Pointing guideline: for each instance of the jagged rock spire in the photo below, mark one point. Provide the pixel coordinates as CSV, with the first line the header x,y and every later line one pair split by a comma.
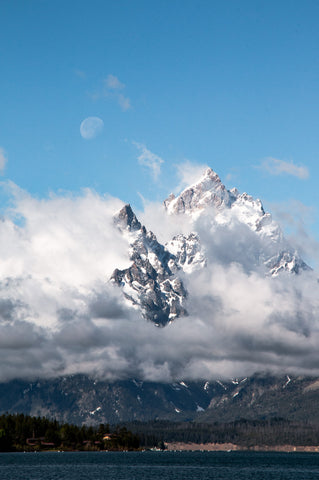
x,y
151,282
127,219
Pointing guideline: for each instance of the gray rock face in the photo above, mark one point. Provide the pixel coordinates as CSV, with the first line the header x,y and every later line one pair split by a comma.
x,y
151,282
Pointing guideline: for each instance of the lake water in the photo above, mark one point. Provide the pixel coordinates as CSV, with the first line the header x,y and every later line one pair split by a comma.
x,y
159,466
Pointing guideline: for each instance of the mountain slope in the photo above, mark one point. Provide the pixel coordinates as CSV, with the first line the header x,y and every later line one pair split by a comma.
x,y
80,399
263,396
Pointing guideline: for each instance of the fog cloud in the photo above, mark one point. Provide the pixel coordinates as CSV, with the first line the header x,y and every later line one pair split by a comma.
x,y
149,159
60,315
274,166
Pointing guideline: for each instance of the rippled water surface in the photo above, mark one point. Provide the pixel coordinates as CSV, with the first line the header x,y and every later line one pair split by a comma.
x,y
159,466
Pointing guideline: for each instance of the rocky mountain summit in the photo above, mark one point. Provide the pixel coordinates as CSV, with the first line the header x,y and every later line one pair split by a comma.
x,y
152,281
228,209
155,281
207,192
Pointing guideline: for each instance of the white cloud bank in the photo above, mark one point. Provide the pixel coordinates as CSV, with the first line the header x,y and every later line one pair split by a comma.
x,y
274,166
59,315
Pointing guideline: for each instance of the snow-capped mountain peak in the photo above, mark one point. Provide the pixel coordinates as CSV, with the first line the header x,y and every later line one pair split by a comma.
x,y
126,219
208,191
228,209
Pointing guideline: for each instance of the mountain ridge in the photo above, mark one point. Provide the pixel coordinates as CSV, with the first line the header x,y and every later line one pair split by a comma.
x,y
81,399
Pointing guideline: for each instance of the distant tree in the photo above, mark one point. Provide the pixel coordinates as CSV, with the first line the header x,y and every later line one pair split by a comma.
x,y
5,441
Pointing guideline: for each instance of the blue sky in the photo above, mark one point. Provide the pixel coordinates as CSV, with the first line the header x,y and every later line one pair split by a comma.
x,y
127,98
230,84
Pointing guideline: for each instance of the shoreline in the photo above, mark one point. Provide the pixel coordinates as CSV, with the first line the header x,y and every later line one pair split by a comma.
x,y
193,447
227,447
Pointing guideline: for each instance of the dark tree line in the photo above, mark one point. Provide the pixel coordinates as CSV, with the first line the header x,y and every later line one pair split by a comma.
x,y
243,432
23,432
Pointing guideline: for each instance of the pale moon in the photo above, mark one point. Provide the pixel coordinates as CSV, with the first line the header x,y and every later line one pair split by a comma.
x,y
91,127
